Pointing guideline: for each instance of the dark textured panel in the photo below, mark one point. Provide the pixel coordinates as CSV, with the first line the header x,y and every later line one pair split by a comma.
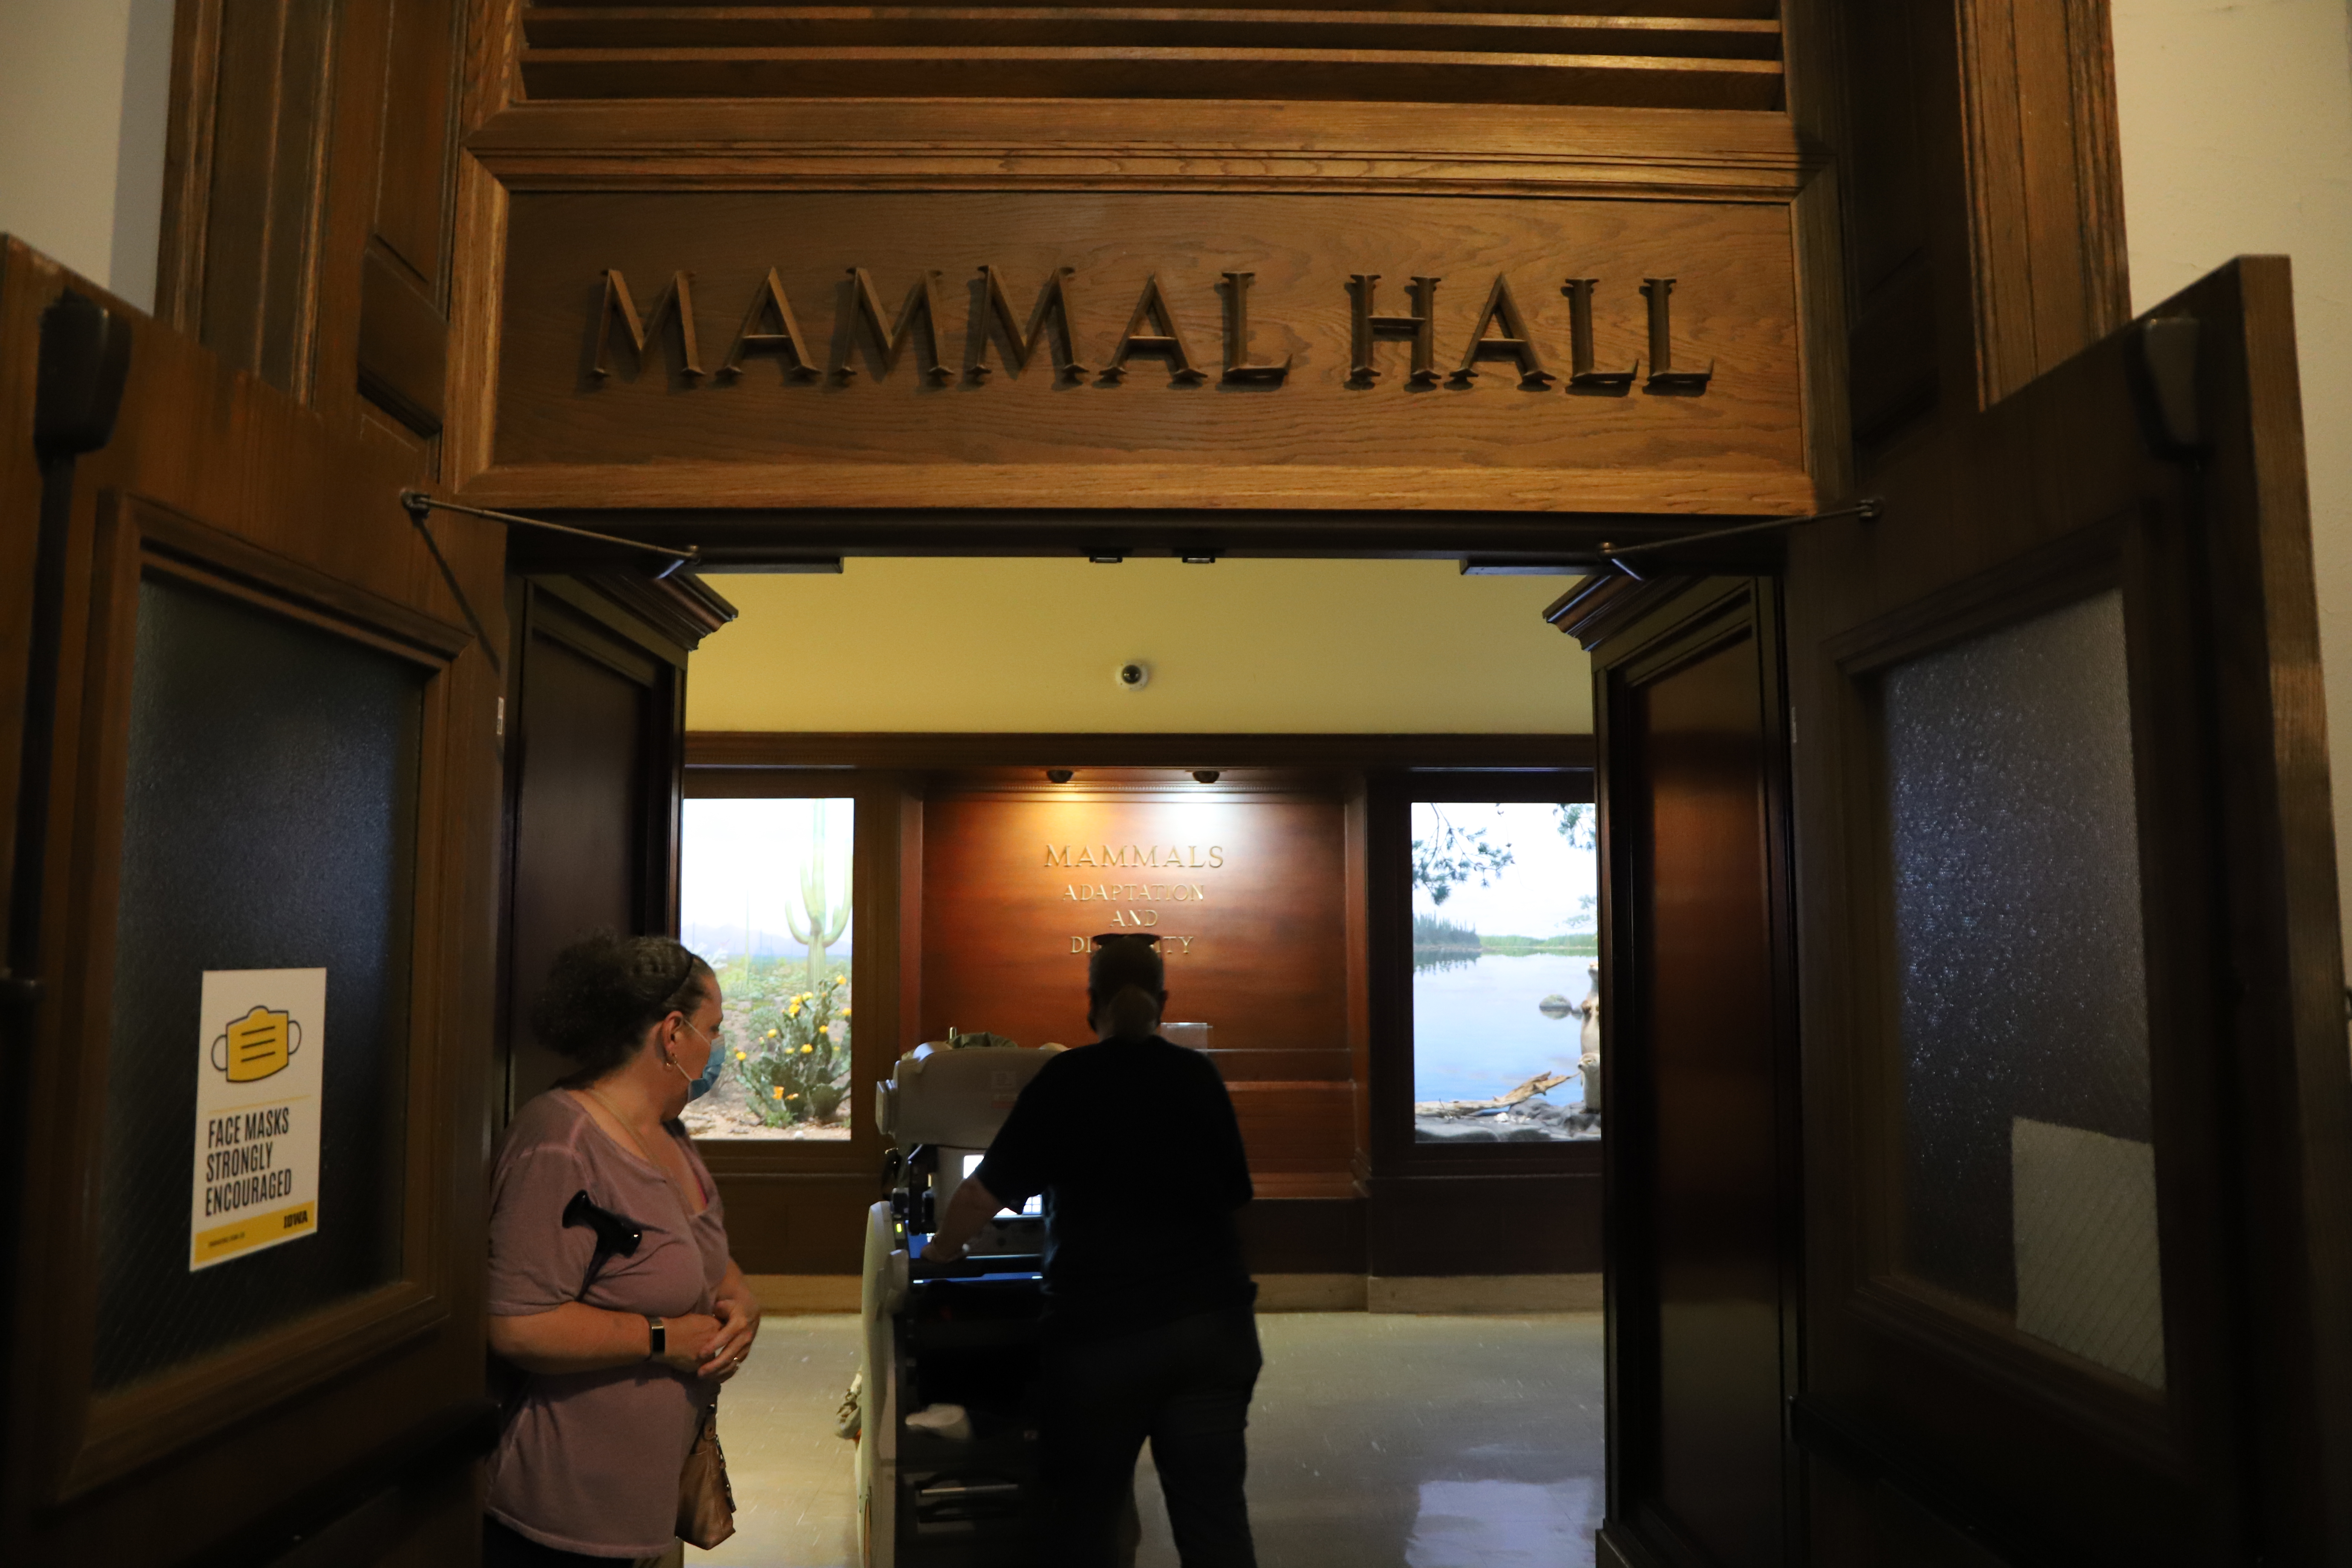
x,y
269,824
2014,834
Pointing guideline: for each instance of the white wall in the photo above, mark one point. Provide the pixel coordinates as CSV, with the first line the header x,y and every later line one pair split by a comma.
x,y
2237,139
84,91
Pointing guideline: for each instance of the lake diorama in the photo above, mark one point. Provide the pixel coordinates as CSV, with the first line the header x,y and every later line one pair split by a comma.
x,y
1505,1006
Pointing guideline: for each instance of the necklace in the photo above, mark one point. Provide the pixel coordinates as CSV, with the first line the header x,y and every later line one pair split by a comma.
x,y
631,1133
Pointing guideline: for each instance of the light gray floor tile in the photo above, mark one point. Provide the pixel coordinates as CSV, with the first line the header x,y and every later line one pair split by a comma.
x,y
1376,1441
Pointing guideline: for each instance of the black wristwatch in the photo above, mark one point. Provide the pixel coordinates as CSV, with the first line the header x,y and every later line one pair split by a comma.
x,y
660,1331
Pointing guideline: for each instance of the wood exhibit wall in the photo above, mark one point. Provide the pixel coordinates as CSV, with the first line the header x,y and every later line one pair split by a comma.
x,y
1415,282
684,348
1245,882
1265,896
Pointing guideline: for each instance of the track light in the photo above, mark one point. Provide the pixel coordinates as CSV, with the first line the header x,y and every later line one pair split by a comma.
x,y
1058,775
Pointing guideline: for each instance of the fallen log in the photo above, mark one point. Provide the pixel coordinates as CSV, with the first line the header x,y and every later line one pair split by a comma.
x,y
1539,1084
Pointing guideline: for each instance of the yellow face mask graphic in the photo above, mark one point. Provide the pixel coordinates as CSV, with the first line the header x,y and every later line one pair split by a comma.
x,y
256,1045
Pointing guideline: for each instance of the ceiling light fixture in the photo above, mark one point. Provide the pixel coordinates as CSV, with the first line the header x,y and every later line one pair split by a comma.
x,y
1058,775
1205,775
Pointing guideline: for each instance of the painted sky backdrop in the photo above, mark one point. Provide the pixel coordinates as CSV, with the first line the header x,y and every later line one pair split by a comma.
x,y
739,872
1542,893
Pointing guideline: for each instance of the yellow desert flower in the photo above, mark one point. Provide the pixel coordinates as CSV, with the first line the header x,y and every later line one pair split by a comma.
x,y
807,1049
743,1055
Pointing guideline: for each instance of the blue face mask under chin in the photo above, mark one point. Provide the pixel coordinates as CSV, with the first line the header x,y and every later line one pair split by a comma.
x,y
702,1085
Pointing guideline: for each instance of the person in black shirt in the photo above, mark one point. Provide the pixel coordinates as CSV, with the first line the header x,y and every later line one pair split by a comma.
x,y
1150,1330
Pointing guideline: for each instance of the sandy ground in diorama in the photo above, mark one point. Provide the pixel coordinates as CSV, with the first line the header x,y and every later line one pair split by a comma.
x,y
726,1112
1375,1440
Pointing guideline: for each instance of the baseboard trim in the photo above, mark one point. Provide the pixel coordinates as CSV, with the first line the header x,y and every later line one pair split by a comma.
x,y
1433,1295
1310,1293
1473,1294
800,1293
1613,1547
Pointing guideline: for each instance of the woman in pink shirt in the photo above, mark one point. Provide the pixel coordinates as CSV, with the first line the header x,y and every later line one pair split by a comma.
x,y
623,1366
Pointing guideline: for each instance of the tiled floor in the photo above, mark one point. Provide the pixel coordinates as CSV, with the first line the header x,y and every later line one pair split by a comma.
x,y
1375,1440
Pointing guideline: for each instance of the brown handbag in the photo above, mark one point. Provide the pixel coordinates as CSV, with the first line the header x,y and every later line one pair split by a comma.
x,y
706,1503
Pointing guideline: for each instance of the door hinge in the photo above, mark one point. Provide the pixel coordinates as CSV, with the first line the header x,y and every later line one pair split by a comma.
x,y
503,719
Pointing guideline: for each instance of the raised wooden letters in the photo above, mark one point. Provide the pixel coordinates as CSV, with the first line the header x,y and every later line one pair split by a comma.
x,y
1420,327
1515,344
1237,368
1500,331
1151,309
768,301
617,303
1664,376
1053,308
922,307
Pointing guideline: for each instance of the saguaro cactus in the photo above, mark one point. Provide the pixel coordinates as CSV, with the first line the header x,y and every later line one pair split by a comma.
x,y
821,926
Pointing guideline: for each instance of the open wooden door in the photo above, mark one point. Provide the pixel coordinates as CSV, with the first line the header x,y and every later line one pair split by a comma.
x,y
1981,1115
2077,1123
248,824
1701,1157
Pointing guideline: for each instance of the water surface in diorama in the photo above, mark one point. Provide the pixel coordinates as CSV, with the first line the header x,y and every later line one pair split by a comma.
x,y
1506,1009
765,896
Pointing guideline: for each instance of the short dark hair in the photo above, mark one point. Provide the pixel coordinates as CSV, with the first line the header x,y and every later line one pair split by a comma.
x,y
604,991
1119,961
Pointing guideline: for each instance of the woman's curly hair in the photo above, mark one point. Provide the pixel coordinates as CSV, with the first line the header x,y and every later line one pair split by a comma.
x,y
604,991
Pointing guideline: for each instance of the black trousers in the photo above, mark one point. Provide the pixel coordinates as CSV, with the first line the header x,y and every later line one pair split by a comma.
x,y
505,1547
1185,1386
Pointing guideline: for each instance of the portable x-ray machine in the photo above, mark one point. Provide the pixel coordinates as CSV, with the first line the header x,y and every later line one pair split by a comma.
x,y
947,1457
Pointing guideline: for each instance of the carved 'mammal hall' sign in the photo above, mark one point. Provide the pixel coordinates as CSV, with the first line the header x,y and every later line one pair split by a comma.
x,y
1159,349
1154,330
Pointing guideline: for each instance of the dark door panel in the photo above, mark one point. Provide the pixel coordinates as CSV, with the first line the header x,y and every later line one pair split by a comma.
x,y
2077,1103
264,743
1701,1146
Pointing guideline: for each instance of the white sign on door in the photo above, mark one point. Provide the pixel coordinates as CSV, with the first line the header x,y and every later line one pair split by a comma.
x,y
259,1085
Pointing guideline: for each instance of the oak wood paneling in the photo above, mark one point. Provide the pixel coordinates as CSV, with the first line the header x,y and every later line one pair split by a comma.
x,y
712,753
404,348
1518,53
1303,1128
237,472
1643,154
664,428
1526,1222
798,1222
1303,1235
1264,964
